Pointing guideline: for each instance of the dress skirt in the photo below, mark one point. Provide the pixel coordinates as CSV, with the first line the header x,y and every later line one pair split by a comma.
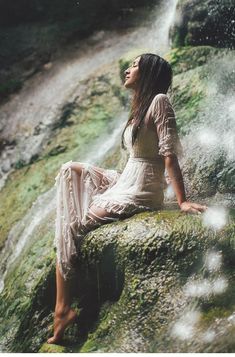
x,y
138,188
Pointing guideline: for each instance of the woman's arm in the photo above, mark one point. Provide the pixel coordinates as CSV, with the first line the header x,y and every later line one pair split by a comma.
x,y
169,147
174,172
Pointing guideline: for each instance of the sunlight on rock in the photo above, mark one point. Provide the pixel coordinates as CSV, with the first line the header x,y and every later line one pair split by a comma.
x,y
213,261
207,137
215,217
184,328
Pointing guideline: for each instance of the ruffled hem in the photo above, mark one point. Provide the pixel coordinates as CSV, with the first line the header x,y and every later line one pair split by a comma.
x,y
73,221
115,207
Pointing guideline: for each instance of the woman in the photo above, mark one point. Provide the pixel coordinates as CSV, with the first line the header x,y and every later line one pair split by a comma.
x,y
88,196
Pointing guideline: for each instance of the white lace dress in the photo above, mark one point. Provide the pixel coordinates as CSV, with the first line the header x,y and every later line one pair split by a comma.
x,y
138,188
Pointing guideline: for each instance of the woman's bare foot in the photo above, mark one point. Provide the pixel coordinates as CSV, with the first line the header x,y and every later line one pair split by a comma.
x,y
62,320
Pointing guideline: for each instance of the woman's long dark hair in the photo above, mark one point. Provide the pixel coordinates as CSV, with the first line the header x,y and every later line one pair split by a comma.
x,y
155,76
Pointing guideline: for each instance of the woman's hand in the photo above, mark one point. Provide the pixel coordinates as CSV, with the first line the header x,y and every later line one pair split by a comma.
x,y
190,207
176,178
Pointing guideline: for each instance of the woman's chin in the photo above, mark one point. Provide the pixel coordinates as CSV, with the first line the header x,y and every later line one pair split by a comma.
x,y
128,85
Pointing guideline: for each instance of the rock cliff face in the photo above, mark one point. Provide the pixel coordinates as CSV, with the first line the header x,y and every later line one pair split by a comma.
x,y
204,23
203,100
155,282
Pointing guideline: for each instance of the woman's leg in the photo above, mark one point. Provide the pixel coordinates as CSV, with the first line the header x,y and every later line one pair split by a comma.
x,y
64,315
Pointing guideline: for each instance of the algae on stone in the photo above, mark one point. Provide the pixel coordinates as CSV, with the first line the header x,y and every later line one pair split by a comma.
x,y
90,117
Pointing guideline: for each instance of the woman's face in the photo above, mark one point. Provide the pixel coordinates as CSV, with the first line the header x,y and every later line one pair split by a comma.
x,y
132,75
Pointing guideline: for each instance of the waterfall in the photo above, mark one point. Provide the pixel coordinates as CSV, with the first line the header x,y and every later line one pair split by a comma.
x,y
40,102
23,231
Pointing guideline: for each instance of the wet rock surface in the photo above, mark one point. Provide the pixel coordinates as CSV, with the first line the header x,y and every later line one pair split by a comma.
x,y
204,23
142,284
204,103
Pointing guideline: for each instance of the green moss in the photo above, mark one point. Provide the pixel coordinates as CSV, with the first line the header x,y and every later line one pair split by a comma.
x,y
48,348
185,58
89,119
89,346
130,283
29,293
189,93
214,313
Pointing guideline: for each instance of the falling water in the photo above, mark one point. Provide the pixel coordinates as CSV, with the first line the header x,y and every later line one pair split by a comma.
x,y
23,231
47,92
39,103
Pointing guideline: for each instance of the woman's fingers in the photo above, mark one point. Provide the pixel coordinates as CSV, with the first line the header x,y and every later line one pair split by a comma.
x,y
190,207
199,207
194,210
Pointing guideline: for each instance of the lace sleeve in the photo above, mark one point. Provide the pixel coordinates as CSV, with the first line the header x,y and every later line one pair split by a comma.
x,y
164,120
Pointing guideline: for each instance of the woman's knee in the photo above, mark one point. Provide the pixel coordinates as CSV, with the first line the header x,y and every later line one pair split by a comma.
x,y
101,214
75,166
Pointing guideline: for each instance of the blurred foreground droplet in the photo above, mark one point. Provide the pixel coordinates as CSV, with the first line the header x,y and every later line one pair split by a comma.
x,y
207,137
213,260
205,287
215,217
184,328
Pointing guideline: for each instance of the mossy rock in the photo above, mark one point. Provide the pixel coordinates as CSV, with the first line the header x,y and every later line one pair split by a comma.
x,y
132,276
185,58
204,23
202,101
50,348
189,92
82,123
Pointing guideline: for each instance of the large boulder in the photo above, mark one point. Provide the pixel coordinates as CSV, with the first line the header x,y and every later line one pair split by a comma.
x,y
155,282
